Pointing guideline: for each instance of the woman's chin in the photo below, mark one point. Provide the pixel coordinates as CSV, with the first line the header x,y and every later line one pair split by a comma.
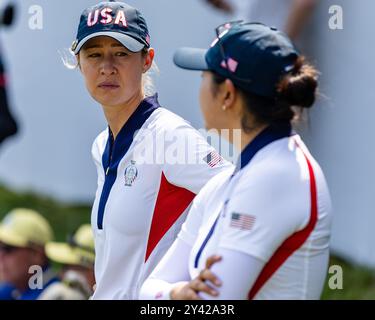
x,y
107,101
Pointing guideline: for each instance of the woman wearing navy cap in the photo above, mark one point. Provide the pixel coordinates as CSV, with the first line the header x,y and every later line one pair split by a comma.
x,y
261,232
150,162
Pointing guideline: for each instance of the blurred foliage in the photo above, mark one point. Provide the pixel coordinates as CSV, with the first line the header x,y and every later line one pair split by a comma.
x,y
358,282
64,218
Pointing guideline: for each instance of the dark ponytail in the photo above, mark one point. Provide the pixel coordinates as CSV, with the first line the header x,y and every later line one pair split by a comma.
x,y
298,88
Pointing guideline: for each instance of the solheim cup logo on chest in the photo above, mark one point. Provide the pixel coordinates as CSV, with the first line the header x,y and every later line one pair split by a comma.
x,y
131,173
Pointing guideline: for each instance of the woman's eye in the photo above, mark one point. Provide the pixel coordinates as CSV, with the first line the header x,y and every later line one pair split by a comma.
x,y
94,55
121,54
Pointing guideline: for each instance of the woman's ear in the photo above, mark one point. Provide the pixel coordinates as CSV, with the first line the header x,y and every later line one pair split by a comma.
x,y
78,61
230,92
149,58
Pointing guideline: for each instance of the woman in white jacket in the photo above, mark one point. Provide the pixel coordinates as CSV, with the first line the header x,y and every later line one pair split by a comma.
x,y
261,232
150,162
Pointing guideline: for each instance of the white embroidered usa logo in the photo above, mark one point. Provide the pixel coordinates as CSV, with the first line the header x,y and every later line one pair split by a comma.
x,y
106,17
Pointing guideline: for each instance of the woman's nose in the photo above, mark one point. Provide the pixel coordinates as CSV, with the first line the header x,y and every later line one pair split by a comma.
x,y
108,67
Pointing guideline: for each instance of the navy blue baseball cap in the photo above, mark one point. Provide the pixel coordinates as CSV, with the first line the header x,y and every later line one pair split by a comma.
x,y
254,56
114,19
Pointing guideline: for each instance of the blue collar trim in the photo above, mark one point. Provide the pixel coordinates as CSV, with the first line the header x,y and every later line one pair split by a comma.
x,y
267,136
115,150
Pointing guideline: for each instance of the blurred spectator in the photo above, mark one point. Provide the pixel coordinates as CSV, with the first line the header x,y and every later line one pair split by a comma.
x,y
8,125
23,235
288,15
77,257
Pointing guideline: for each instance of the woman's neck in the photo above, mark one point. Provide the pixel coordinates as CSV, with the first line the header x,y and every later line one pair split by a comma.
x,y
117,116
247,137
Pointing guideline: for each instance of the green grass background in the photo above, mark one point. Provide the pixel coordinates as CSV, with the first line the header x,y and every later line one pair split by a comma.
x,y
358,282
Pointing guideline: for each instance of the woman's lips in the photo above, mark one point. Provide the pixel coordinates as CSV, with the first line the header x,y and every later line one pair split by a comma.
x,y
108,85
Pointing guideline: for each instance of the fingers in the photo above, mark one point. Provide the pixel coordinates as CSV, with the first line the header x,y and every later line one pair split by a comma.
x,y
183,291
192,295
199,286
208,275
212,260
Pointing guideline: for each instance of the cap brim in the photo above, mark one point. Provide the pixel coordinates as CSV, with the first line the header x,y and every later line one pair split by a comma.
x,y
127,41
61,253
191,59
65,254
11,238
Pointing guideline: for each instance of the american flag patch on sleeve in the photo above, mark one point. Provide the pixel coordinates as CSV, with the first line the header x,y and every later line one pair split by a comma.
x,y
213,158
242,221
